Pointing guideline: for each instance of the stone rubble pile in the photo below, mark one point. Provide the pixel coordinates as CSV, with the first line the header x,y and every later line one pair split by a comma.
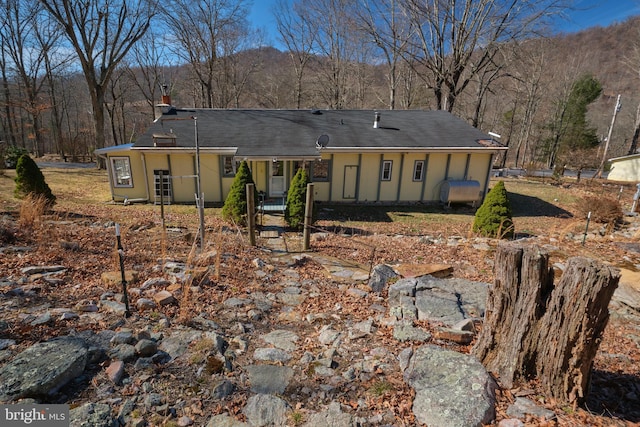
x,y
292,368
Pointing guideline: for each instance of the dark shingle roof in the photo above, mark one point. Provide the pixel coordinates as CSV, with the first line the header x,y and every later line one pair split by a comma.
x,y
295,132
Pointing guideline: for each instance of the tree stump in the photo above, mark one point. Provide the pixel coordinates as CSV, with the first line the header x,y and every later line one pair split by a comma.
x,y
533,329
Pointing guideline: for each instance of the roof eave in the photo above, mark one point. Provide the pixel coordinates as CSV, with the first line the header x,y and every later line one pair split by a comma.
x,y
411,149
216,150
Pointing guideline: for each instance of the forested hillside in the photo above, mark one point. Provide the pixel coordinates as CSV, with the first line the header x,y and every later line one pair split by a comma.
x,y
501,73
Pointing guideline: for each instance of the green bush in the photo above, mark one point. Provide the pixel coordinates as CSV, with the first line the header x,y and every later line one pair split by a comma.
x,y
494,217
296,199
30,181
235,206
11,156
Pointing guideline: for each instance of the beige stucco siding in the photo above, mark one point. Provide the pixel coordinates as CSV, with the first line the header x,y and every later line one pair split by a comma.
x,y
436,170
389,189
153,162
410,189
369,177
344,164
138,191
627,170
457,165
210,177
479,167
260,173
354,177
183,183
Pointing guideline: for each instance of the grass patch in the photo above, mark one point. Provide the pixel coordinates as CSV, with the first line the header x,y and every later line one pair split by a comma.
x,y
380,388
296,418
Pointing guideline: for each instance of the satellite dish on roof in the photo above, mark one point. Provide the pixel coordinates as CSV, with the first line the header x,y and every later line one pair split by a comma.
x,y
322,141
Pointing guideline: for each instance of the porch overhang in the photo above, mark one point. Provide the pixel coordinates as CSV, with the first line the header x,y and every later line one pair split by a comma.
x,y
275,157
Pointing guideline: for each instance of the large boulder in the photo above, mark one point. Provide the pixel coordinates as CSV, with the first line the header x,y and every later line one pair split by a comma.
x,y
452,389
43,368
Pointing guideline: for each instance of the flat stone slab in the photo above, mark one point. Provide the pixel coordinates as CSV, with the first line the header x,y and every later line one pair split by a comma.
x,y
452,389
266,410
178,343
43,368
271,355
269,379
224,420
282,339
417,270
42,269
333,416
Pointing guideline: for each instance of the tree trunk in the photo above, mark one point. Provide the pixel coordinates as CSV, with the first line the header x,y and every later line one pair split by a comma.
x,y
534,329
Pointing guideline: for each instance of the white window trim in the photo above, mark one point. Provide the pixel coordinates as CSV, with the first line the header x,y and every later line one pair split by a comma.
x,y
315,178
382,172
234,166
415,167
114,172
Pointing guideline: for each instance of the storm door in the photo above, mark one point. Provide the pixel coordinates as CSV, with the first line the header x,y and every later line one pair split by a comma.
x,y
277,182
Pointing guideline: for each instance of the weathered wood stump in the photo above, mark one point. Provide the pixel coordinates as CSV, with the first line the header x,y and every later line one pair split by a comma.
x,y
533,329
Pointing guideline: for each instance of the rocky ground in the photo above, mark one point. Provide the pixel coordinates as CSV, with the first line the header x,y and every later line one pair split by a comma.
x,y
239,335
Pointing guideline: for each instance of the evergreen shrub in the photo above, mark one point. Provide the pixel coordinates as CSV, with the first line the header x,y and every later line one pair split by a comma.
x,y
235,205
494,218
30,181
296,199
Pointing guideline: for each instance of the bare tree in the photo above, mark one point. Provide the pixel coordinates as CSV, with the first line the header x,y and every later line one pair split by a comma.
x,y
55,62
102,32
28,40
240,60
336,36
389,30
457,39
199,29
528,84
632,61
299,35
150,68
7,116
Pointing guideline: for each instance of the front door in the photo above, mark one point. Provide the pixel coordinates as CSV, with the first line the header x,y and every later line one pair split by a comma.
x,y
277,183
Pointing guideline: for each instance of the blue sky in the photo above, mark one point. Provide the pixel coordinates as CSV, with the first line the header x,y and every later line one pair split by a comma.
x,y
587,13
591,13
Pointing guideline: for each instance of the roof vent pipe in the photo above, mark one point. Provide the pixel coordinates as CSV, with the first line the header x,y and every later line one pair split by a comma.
x,y
376,120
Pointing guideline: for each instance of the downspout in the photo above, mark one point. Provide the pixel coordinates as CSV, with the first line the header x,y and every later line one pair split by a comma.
x,y
379,177
446,170
221,173
400,177
424,177
466,167
331,178
358,177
